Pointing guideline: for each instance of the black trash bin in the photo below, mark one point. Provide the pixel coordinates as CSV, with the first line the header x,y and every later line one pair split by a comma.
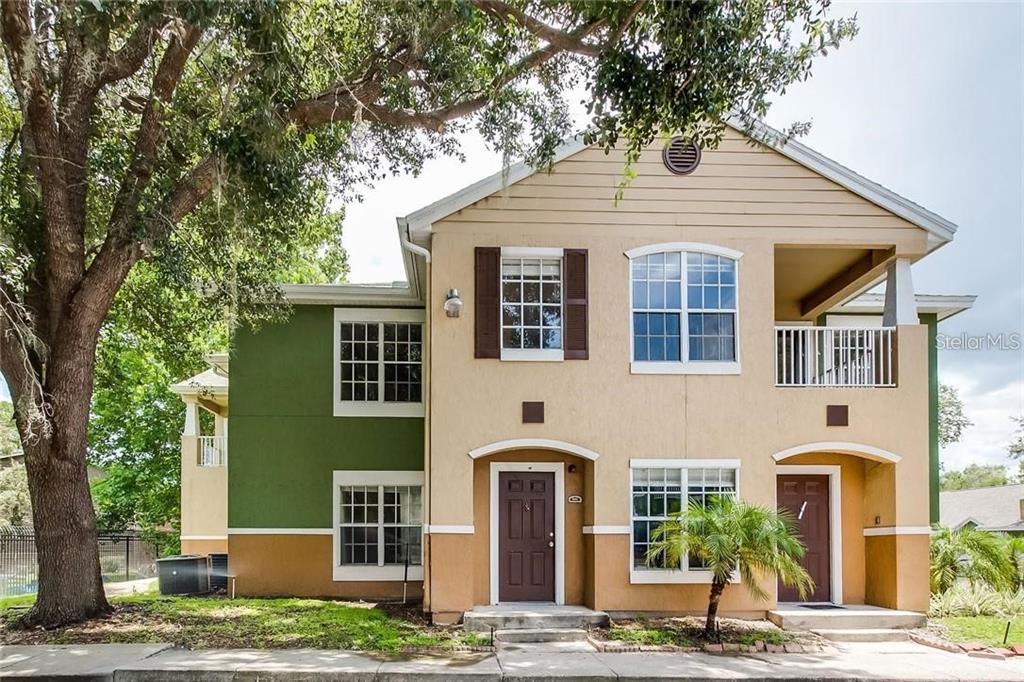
x,y
184,574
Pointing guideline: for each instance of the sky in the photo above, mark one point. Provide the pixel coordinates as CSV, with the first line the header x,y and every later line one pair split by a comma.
x,y
927,100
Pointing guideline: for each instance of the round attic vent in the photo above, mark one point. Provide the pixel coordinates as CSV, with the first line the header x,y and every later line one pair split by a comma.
x,y
681,156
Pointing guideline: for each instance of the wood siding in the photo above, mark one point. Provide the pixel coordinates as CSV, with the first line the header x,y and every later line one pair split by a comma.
x,y
736,185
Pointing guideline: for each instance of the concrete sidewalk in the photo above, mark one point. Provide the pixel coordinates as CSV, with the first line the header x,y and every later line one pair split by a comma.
x,y
903,662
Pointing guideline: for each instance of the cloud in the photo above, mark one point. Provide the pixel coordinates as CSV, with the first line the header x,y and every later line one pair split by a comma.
x,y
986,440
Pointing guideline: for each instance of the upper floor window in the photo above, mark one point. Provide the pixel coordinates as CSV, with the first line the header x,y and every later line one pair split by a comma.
x,y
378,357
684,309
531,304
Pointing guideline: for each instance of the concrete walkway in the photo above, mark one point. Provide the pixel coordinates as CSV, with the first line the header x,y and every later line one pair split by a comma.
x,y
903,662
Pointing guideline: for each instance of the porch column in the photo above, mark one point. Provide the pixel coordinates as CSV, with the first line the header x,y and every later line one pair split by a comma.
x,y
191,419
900,307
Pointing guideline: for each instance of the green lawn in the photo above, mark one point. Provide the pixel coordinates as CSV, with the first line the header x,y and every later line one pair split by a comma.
x,y
211,622
985,629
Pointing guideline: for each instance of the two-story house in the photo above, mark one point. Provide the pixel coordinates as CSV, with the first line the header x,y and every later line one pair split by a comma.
x,y
563,370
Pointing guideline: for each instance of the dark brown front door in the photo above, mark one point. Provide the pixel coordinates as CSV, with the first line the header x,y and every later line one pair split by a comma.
x,y
526,536
806,498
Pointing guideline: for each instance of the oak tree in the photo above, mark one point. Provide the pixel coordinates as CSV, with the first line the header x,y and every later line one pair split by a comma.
x,y
196,133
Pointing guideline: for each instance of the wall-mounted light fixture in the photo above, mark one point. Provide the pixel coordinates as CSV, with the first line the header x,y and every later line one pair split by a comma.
x,y
452,303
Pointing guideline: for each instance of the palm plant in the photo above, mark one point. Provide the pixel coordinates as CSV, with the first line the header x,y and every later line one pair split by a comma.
x,y
725,537
1015,550
974,555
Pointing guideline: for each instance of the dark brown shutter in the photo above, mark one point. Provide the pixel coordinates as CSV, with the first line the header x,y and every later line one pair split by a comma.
x,y
487,302
576,346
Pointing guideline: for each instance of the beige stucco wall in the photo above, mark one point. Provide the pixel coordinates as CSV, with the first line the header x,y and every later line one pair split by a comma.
x,y
740,198
204,500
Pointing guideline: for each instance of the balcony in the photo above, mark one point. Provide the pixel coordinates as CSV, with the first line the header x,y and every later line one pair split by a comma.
x,y
212,451
835,356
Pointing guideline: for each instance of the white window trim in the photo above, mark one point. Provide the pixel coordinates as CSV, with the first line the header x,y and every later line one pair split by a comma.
x,y
685,365
533,354
663,576
835,518
354,408
381,573
558,468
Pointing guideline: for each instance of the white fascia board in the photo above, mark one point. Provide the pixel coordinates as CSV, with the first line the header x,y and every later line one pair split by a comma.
x,y
943,305
351,294
941,228
421,221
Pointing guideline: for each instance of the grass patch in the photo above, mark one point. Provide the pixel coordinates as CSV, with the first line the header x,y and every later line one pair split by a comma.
x,y
218,622
689,632
985,629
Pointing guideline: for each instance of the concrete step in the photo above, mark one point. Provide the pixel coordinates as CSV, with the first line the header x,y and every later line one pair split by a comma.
x,y
540,635
863,635
528,617
854,617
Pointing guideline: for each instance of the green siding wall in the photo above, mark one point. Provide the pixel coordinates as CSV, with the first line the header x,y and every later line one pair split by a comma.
x,y
284,440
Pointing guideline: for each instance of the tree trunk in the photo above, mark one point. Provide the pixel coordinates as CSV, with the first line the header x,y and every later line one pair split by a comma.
x,y
70,584
716,595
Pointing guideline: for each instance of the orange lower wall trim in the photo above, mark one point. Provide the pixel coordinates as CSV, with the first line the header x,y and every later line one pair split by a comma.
x,y
300,566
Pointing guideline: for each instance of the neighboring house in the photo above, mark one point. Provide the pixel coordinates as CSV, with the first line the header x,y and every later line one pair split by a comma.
x,y
998,508
204,478
703,336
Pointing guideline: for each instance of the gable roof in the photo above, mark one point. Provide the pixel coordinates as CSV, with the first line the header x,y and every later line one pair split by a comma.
x,y
419,223
995,508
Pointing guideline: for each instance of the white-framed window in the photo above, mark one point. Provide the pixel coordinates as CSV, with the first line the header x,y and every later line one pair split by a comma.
x,y
378,362
685,311
378,525
661,487
531,303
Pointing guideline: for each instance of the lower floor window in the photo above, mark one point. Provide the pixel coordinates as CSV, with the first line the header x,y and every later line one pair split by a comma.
x,y
660,491
380,524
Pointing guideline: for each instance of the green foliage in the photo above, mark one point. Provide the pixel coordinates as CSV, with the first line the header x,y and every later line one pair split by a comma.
x,y
15,504
1015,550
969,600
974,476
975,556
10,442
727,536
156,334
952,420
1016,447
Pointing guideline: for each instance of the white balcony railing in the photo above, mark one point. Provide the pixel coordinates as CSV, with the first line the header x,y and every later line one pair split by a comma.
x,y
835,356
213,451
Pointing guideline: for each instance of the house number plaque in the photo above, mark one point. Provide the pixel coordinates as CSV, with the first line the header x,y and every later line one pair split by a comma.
x,y
575,499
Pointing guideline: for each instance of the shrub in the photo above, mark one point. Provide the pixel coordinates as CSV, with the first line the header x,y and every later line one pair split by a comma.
x,y
964,599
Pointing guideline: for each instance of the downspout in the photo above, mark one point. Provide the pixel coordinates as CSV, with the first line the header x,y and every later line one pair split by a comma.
x,y
417,250
403,236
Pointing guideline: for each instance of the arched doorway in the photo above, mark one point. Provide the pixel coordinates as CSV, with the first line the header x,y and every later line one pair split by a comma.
x,y
529,496
835,491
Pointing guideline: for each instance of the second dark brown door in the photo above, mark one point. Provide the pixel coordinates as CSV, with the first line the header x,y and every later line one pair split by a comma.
x,y
806,498
526,536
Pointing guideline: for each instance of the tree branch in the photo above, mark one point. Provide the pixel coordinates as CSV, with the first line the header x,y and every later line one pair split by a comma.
x,y
150,133
133,54
565,41
64,260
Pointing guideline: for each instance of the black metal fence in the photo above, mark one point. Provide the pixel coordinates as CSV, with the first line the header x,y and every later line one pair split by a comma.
x,y
123,556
